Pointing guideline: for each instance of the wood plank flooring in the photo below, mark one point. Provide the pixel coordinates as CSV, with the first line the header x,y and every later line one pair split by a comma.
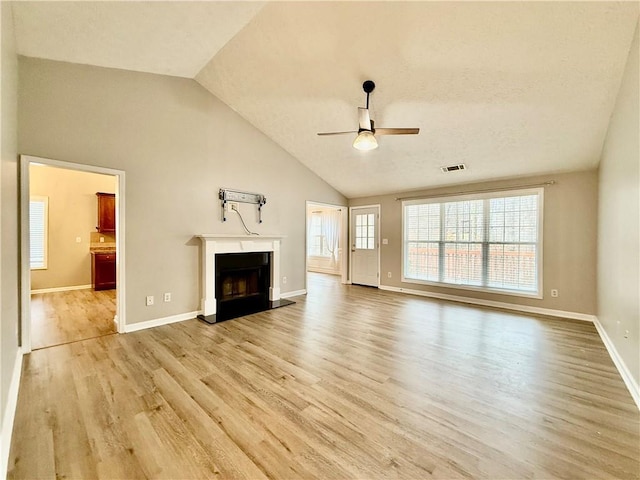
x,y
63,317
350,382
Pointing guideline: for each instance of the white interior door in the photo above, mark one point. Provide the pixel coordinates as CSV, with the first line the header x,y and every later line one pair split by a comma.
x,y
365,245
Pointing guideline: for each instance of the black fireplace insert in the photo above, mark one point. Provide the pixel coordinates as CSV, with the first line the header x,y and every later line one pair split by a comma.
x,y
242,284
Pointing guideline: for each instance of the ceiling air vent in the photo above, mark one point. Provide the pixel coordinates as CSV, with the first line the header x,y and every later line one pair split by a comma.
x,y
453,168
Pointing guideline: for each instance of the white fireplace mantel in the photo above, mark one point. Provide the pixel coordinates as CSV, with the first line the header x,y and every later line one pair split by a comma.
x,y
213,243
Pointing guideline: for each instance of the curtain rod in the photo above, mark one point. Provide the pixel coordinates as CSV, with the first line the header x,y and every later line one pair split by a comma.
x,y
486,190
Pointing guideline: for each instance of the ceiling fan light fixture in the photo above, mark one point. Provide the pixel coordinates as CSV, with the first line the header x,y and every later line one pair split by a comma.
x,y
365,141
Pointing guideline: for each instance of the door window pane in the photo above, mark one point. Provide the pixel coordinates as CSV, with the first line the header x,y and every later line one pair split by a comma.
x,y
365,231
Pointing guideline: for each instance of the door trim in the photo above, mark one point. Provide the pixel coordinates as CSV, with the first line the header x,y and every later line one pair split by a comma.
x,y
25,271
376,206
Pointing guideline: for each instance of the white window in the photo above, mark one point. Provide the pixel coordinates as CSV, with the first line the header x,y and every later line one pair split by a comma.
x,y
490,242
39,232
317,240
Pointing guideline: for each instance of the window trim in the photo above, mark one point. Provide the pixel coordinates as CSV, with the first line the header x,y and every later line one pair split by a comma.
x,y
45,201
323,241
539,294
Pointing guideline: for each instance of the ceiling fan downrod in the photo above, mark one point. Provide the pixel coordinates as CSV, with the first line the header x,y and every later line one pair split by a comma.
x,y
368,86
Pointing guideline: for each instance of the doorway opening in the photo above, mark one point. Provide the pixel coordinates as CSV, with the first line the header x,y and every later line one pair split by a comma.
x,y
71,250
326,239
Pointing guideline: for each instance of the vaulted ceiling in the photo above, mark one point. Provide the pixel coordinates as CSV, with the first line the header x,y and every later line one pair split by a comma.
x,y
508,88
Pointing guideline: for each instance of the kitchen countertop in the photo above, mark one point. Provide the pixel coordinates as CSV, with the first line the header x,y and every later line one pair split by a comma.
x,y
102,248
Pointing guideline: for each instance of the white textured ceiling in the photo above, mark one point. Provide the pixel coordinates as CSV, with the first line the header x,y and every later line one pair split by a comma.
x,y
170,38
509,88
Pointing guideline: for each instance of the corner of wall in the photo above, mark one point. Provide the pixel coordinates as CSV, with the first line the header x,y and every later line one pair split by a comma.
x,y
625,373
618,280
9,413
10,354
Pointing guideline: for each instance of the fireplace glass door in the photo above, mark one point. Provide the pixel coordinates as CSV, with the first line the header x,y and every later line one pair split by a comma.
x,y
242,284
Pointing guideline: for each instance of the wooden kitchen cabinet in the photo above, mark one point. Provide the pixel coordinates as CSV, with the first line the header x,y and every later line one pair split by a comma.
x,y
103,270
106,212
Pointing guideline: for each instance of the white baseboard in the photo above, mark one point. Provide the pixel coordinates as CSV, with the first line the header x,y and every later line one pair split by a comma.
x,y
9,414
61,289
627,377
329,271
293,293
490,303
181,317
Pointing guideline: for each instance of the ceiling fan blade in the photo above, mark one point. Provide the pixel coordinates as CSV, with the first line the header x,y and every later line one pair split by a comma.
x,y
337,133
397,131
363,119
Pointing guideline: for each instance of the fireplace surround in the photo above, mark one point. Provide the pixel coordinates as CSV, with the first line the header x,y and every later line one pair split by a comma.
x,y
215,297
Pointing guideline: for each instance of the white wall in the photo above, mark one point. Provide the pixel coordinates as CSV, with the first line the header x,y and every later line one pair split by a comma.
x,y
178,145
618,221
9,202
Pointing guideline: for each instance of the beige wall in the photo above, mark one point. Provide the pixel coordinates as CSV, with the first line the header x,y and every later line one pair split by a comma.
x,y
9,201
73,211
178,145
618,226
569,241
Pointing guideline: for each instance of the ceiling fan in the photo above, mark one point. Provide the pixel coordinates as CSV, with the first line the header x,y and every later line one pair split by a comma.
x,y
366,139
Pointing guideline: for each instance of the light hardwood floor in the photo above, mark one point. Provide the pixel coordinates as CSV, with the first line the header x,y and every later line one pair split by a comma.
x,y
350,382
63,317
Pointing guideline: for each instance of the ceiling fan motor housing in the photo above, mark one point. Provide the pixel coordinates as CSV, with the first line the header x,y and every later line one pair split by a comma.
x,y
373,130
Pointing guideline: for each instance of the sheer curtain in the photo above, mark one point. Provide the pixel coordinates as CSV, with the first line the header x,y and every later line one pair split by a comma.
x,y
331,232
324,229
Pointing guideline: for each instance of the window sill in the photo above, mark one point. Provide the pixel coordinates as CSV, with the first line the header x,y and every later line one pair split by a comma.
x,y
455,286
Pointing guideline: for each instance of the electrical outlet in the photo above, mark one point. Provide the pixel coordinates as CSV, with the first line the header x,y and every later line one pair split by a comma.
x,y
167,297
231,206
78,239
554,292
284,280
626,334
388,274
149,300
101,239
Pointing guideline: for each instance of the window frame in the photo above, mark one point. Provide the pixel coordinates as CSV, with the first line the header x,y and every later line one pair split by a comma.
x,y
45,262
320,236
539,191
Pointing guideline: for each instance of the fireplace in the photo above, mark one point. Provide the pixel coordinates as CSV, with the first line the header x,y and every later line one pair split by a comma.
x,y
242,284
255,281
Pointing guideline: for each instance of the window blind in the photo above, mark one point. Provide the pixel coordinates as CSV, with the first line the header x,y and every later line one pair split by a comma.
x,y
488,242
38,230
